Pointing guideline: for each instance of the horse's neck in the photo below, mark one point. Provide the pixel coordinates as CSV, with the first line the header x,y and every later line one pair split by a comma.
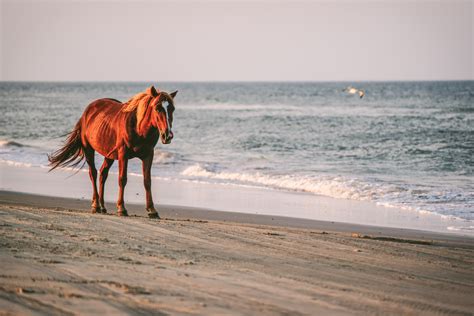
x,y
145,129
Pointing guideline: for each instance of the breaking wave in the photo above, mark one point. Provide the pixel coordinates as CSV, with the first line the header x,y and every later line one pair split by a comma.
x,y
389,195
10,143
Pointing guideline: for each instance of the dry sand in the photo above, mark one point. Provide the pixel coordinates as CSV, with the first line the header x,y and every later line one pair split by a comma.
x,y
59,259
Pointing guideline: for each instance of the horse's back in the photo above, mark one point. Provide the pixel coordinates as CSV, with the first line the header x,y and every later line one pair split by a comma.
x,y
102,126
101,110
101,105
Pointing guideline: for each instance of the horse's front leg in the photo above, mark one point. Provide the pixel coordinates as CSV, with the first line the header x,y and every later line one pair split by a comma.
x,y
123,163
146,166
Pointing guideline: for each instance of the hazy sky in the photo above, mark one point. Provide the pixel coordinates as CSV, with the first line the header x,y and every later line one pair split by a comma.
x,y
236,40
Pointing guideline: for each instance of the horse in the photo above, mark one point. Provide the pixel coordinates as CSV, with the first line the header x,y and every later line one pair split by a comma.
x,y
119,131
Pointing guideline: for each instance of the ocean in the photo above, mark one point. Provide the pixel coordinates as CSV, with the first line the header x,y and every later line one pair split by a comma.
x,y
404,144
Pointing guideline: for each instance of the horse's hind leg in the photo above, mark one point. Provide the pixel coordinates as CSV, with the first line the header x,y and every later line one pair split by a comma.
x,y
89,154
104,172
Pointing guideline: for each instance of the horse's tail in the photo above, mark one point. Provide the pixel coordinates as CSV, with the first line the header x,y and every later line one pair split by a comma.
x,y
71,154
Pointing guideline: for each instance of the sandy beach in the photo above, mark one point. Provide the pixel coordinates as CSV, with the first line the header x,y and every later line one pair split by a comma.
x,y
236,157
60,259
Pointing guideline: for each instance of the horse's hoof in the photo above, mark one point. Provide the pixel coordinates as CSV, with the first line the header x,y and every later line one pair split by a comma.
x,y
95,209
103,210
122,212
154,215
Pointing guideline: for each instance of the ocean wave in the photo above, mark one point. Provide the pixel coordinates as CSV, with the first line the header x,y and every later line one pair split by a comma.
x,y
21,164
337,187
383,194
16,163
11,143
461,228
166,157
241,107
162,156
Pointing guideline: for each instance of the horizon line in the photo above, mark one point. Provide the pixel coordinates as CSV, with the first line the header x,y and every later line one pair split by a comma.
x,y
231,81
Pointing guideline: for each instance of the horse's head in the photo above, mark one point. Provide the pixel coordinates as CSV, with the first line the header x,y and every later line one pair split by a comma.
x,y
162,116
153,108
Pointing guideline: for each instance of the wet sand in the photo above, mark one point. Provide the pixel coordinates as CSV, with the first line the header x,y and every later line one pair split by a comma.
x,y
59,259
228,198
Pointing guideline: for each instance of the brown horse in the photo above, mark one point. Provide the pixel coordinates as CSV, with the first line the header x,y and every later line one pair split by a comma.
x,y
119,131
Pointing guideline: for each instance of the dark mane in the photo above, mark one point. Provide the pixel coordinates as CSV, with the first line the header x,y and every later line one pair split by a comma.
x,y
112,99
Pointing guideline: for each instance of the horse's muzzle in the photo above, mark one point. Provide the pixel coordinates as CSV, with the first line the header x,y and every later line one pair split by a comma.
x,y
166,137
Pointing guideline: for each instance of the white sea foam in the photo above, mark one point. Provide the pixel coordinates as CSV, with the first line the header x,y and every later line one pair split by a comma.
x,y
461,228
16,163
333,186
337,187
161,156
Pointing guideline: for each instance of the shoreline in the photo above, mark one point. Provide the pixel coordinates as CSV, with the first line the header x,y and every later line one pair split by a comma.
x,y
174,212
231,198
60,259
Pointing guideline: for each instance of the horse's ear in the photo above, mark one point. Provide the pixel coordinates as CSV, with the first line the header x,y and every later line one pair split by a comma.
x,y
173,94
152,91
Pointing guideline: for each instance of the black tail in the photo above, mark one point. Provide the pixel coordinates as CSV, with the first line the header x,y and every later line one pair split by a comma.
x,y
71,154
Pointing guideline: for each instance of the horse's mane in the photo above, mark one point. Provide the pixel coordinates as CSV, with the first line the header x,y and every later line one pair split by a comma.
x,y
140,103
